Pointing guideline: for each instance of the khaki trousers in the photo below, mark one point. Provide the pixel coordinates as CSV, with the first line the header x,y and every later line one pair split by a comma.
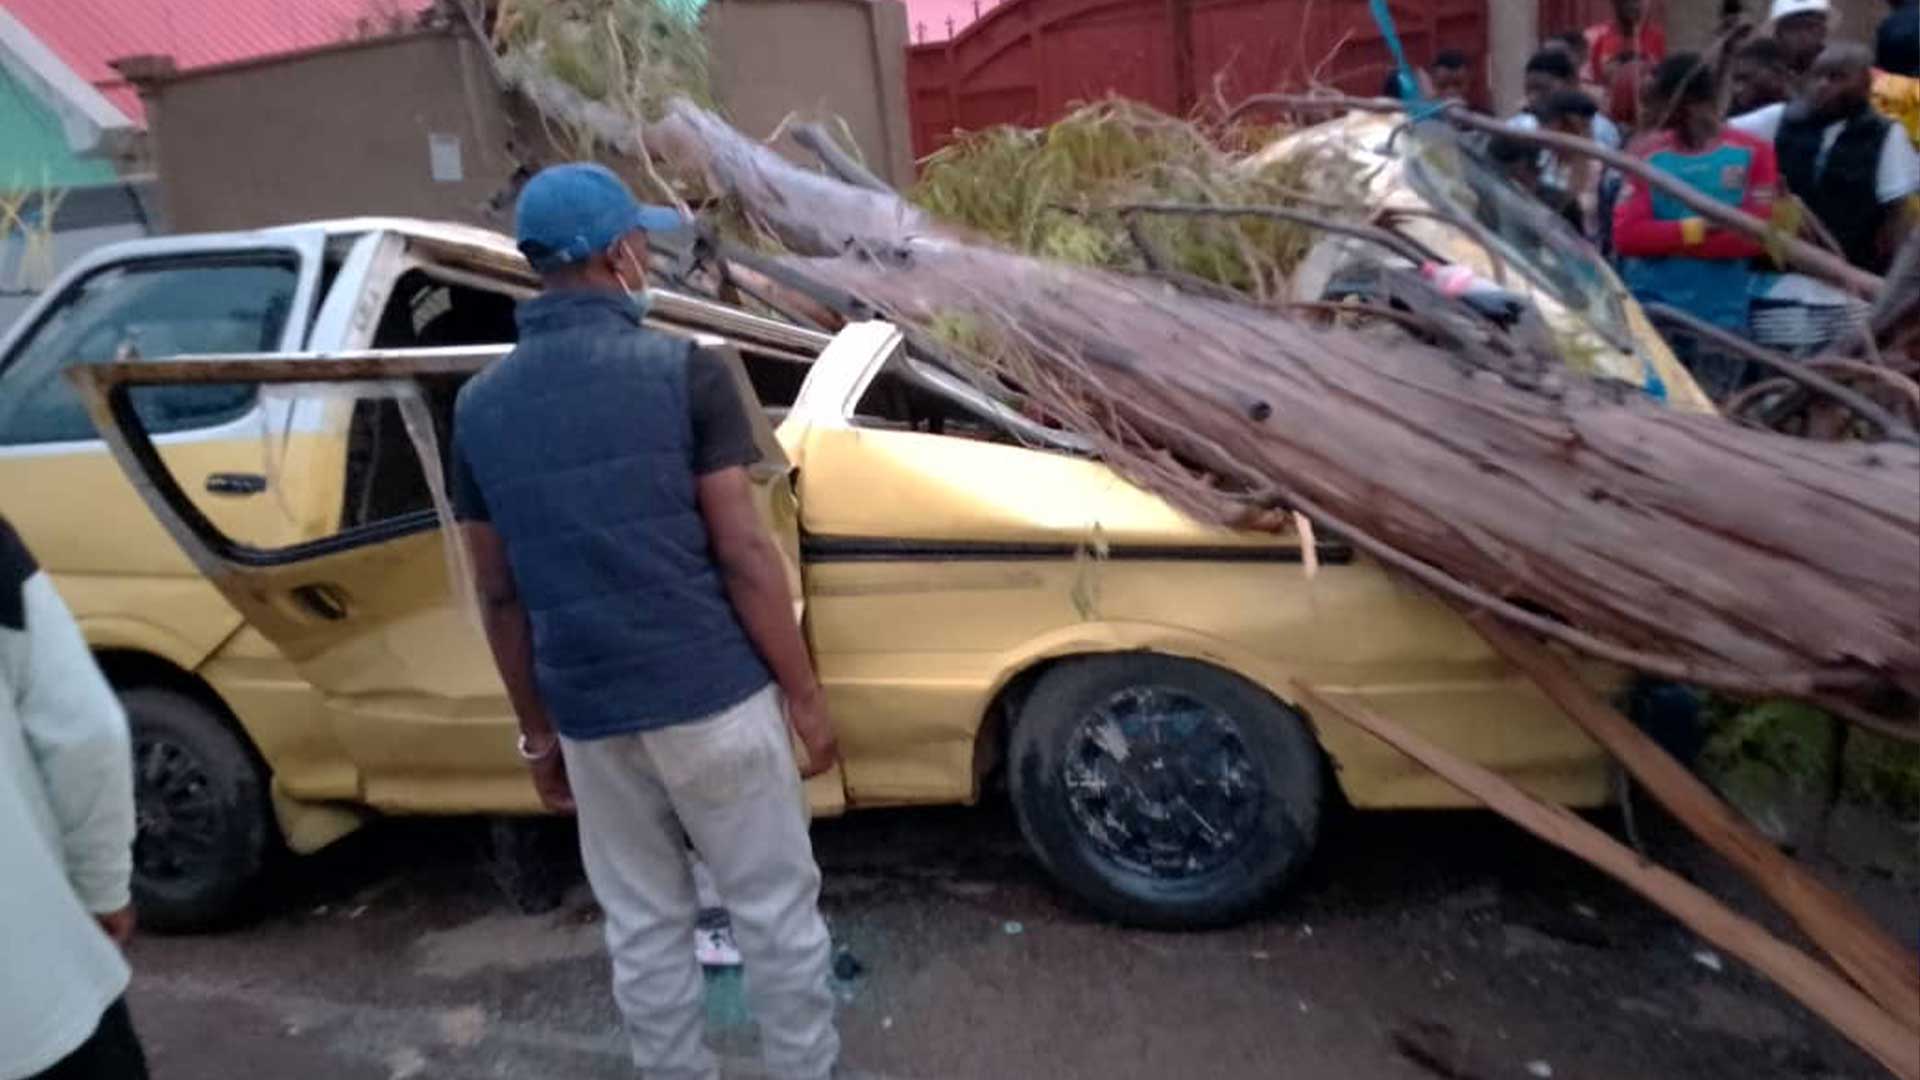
x,y
730,783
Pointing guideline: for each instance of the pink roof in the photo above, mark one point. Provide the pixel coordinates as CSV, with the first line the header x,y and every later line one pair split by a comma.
x,y
89,33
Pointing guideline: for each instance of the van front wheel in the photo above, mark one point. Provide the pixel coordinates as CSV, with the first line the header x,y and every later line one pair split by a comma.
x,y
1163,791
202,819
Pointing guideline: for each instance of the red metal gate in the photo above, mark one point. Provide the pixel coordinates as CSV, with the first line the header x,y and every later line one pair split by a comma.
x,y
1028,61
1560,16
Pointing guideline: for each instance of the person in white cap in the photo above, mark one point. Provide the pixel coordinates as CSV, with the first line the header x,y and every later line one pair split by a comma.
x,y
1801,27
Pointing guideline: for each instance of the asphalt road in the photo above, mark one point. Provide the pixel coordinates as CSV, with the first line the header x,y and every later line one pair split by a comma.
x,y
395,955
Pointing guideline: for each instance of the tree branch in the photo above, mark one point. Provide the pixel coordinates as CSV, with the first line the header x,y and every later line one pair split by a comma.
x,y
1866,408
841,164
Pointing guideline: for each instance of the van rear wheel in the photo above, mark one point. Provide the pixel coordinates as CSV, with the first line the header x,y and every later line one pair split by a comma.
x,y
1163,791
202,820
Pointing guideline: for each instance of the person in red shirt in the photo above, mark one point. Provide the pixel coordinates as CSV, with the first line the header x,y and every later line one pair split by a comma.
x,y
1629,37
1670,254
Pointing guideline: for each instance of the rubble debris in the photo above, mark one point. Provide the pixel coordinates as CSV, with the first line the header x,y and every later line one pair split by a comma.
x,y
1441,1051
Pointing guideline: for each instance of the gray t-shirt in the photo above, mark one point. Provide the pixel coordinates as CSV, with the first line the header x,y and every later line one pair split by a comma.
x,y
722,433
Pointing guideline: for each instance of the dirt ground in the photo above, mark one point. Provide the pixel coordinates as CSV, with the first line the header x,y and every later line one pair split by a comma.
x,y
395,955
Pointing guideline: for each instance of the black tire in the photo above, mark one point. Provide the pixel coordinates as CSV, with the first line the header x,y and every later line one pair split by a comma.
x,y
1244,778
205,823
534,861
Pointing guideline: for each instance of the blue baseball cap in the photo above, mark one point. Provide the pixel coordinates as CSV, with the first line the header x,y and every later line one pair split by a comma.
x,y
568,213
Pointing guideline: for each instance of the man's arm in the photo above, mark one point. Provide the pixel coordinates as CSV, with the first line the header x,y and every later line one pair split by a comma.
x,y
1897,183
509,631
1902,221
756,580
510,636
1639,233
749,560
77,733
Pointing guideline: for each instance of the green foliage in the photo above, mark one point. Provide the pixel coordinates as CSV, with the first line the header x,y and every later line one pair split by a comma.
x,y
1787,736
1051,192
1784,743
959,330
1883,773
634,55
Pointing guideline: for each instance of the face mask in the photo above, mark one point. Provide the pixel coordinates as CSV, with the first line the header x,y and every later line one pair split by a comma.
x,y
643,297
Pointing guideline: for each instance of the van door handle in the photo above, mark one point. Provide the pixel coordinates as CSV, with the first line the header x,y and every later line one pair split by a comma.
x,y
321,601
236,484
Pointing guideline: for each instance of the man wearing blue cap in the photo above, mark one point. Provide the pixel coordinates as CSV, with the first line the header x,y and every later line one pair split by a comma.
x,y
639,613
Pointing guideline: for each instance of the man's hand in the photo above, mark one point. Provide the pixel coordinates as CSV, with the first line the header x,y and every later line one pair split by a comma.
x,y
550,780
756,579
117,924
807,713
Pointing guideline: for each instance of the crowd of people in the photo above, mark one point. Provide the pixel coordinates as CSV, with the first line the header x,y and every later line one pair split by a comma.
x,y
1790,120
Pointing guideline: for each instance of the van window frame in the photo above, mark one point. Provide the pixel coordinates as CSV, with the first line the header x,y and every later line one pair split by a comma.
x,y
17,347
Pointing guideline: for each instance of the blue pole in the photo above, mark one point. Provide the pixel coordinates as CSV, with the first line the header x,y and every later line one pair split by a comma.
x,y
1409,85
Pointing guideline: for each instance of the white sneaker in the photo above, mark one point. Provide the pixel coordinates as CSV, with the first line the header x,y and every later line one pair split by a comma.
x,y
715,948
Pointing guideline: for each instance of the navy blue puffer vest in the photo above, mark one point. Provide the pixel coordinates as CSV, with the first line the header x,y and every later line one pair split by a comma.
x,y
1840,188
581,441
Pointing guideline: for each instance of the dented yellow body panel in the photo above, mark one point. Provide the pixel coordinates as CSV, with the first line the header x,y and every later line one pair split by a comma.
x,y
914,649
128,583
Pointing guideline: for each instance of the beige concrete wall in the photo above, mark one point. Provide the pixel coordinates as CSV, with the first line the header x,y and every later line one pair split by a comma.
x,y
335,133
1691,23
348,130
820,58
1859,19
1513,33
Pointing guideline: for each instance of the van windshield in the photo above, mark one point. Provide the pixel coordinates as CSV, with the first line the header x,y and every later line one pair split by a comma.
x,y
1523,231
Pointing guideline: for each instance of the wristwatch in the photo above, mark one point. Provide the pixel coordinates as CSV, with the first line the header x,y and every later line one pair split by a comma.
x,y
531,756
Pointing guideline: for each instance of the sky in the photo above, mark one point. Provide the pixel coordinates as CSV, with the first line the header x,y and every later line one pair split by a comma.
x,y
933,14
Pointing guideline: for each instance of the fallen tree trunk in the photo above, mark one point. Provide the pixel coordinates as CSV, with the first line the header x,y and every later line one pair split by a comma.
x,y
1890,1042
1679,544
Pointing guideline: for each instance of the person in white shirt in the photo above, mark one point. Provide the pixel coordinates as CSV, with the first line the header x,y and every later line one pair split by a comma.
x,y
1853,168
66,843
1551,72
